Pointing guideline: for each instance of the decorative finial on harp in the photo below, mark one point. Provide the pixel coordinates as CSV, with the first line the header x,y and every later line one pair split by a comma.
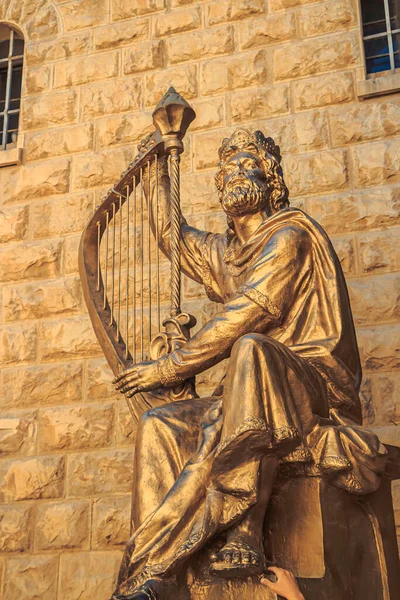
x,y
172,117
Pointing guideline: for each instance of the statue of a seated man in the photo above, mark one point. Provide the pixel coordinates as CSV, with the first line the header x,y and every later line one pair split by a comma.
x,y
205,467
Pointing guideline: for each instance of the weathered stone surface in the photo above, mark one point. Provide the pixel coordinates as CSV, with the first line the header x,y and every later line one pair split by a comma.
x,y
184,78
115,96
38,16
18,434
233,10
31,577
111,521
257,103
38,80
100,473
124,129
58,108
79,15
13,224
380,251
380,347
316,56
31,478
345,249
178,21
61,48
70,262
335,88
30,182
144,56
298,133
99,381
75,428
38,260
327,17
61,525
385,394
68,215
209,113
283,4
92,170
88,575
120,34
86,69
37,300
375,300
206,148
201,44
268,30
48,144
126,425
123,9
248,69
17,344
316,173
42,385
72,338
16,524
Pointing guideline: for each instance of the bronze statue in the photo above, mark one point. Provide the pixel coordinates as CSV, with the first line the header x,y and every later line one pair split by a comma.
x,y
205,468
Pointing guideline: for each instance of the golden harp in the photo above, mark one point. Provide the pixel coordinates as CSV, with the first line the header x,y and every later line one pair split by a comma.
x,y
120,264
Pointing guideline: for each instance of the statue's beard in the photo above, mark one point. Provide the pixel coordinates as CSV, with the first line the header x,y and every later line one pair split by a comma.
x,y
242,196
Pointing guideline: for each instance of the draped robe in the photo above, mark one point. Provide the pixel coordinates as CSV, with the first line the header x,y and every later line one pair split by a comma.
x,y
290,391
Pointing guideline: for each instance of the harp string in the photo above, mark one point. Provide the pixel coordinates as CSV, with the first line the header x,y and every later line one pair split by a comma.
x,y
113,266
141,267
127,242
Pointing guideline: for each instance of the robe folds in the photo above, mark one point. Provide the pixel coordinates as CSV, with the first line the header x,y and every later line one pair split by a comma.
x,y
290,391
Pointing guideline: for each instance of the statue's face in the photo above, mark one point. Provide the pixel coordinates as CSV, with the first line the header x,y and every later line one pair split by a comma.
x,y
244,185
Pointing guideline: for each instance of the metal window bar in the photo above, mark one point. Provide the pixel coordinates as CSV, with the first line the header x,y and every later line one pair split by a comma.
x,y
10,61
389,33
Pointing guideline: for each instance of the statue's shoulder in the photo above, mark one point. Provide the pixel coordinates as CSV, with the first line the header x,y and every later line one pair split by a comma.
x,y
291,227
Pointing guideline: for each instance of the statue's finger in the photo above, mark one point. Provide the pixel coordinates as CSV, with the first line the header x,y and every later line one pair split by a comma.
x,y
122,376
127,379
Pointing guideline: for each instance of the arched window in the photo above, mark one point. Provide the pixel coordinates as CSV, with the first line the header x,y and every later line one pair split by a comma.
x,y
11,64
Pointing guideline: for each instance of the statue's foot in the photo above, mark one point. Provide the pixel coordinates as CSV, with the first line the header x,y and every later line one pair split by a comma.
x,y
238,559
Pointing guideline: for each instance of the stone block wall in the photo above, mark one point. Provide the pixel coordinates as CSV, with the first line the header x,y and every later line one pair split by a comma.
x,y
94,71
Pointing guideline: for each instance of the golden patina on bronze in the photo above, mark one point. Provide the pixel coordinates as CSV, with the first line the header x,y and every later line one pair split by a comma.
x,y
275,467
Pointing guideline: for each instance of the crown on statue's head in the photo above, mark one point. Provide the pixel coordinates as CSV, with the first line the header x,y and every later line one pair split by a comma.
x,y
243,138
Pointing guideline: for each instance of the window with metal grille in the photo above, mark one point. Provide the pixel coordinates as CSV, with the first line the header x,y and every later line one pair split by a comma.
x,y
381,34
11,64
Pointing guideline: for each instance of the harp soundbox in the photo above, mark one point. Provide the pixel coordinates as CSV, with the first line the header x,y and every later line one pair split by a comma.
x,y
125,280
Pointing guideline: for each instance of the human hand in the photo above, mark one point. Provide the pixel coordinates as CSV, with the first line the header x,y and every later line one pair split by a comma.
x,y
285,585
143,377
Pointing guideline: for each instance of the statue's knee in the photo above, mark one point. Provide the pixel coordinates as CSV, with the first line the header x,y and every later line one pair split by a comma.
x,y
248,342
148,420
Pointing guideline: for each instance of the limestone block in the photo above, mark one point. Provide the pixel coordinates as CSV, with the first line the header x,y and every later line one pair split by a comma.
x,y
35,260
75,428
386,389
156,84
144,56
335,88
79,15
327,17
126,425
61,48
70,262
32,478
104,167
206,148
18,434
346,251
43,111
298,133
209,113
16,528
365,122
86,69
380,347
38,80
201,44
38,16
311,57
88,575
111,521
42,385
124,9
31,578
38,300
108,97
120,34
61,525
124,129
100,473
30,182
309,174
233,10
99,381
17,344
283,4
72,338
273,29
57,142
245,70
357,211
66,215
380,251
257,103
375,300
178,22
199,194
13,224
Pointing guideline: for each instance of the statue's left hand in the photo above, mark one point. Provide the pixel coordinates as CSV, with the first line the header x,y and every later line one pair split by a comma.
x,y
143,377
